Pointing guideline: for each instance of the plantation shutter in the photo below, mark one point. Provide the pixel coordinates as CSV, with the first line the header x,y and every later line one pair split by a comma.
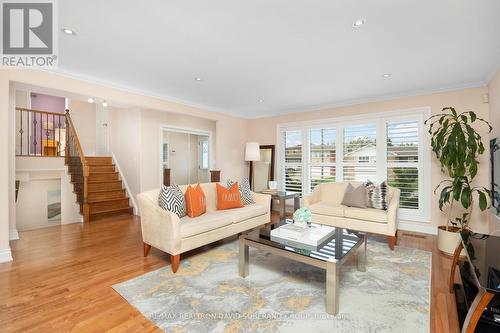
x,y
322,156
402,161
292,170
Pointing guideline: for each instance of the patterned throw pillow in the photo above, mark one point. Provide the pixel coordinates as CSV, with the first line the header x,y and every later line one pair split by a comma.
x,y
228,198
376,195
171,199
245,192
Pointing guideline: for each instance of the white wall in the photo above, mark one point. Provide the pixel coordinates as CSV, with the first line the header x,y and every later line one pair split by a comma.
x,y
32,201
124,126
83,115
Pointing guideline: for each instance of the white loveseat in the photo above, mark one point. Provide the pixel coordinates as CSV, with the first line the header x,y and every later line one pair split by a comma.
x,y
167,232
325,203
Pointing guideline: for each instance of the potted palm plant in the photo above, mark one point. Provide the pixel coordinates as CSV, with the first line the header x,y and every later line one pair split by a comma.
x,y
457,146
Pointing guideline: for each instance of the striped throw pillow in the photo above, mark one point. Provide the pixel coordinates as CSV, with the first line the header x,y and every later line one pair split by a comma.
x,y
245,192
171,199
376,195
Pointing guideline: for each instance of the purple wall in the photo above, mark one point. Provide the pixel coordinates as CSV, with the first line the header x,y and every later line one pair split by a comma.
x,y
48,103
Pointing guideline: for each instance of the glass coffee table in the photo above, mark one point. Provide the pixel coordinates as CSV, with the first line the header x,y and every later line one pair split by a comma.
x,y
329,256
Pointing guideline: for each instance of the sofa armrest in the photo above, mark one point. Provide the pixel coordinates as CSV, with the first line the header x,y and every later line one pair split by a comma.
x,y
262,199
314,197
160,228
392,212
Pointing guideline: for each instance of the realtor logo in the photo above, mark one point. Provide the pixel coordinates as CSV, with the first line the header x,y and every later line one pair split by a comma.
x,y
29,33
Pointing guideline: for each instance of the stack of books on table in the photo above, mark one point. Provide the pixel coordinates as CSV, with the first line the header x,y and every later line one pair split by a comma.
x,y
312,238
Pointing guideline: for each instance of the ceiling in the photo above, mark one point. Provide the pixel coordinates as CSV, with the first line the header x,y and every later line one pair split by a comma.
x,y
266,57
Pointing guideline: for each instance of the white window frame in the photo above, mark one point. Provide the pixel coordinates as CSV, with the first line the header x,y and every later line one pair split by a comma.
x,y
423,213
201,157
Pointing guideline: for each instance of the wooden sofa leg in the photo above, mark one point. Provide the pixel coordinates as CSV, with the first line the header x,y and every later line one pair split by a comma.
x,y
174,261
392,242
147,247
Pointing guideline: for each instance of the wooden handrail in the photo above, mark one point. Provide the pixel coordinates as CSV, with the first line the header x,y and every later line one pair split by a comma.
x,y
40,111
70,128
77,141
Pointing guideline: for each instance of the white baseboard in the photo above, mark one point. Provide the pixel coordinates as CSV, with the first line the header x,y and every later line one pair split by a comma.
x,y
417,227
5,255
13,235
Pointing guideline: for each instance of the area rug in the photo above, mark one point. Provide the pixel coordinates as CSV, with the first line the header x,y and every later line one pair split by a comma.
x,y
279,295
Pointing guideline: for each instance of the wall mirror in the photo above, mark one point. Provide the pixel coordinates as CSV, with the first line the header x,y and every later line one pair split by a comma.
x,y
261,172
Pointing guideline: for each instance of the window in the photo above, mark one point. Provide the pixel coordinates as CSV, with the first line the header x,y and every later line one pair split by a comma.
x,y
386,146
402,161
322,156
360,152
292,171
204,154
165,155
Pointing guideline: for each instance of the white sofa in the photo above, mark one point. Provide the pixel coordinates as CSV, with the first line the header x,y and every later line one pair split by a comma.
x,y
325,203
167,232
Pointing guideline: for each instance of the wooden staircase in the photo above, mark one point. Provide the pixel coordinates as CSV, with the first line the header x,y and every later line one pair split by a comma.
x,y
105,195
96,183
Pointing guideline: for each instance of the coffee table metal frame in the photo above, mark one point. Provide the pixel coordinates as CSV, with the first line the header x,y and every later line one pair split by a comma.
x,y
332,266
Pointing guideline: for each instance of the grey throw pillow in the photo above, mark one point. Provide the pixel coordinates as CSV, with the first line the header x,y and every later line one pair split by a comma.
x,y
355,196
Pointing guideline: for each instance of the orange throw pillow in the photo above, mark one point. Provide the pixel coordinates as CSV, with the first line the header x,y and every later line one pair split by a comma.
x,y
195,201
228,198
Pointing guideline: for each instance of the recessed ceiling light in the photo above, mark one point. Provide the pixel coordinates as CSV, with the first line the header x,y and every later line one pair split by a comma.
x,y
105,104
261,100
68,31
90,100
358,23
387,75
197,79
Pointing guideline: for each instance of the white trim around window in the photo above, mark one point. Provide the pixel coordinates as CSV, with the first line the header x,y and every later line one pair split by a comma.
x,y
377,164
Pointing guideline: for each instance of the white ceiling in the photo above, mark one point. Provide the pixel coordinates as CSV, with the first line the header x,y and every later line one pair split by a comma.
x,y
295,55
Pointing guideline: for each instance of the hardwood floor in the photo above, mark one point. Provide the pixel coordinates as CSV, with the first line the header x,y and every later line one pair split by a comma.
x,y
61,278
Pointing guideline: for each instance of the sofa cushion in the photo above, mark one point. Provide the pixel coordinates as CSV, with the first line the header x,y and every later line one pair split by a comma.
x,y
333,192
245,191
171,199
355,196
247,212
326,208
195,201
204,223
228,198
366,214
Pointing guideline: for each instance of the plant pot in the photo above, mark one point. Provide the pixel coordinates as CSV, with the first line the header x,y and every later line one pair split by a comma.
x,y
448,240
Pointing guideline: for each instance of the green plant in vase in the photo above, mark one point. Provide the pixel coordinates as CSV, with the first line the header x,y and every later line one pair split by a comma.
x,y
457,145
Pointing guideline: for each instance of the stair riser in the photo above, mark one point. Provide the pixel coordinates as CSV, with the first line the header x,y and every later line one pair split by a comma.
x,y
99,216
108,205
100,169
93,196
103,177
111,186
99,161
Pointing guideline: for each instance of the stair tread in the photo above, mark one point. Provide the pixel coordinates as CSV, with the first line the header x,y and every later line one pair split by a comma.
x,y
102,191
103,181
107,200
112,210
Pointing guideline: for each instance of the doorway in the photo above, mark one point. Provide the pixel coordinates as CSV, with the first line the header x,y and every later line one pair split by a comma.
x,y
185,154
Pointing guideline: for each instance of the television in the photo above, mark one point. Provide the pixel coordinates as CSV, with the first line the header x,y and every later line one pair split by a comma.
x,y
495,174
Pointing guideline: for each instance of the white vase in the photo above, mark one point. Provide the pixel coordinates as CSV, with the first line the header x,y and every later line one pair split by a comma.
x,y
448,240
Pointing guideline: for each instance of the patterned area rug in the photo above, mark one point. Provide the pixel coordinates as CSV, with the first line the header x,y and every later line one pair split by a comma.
x,y
279,295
